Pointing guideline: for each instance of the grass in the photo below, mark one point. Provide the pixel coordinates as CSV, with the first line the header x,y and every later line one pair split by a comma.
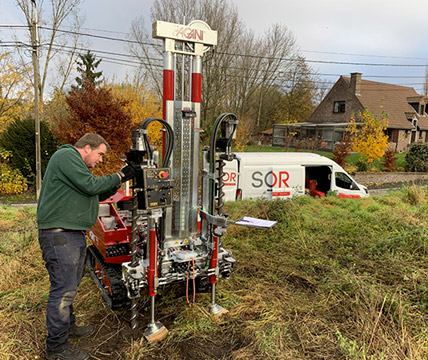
x,y
334,279
27,197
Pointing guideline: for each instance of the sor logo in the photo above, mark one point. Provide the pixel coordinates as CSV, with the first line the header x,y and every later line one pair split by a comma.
x,y
270,179
229,178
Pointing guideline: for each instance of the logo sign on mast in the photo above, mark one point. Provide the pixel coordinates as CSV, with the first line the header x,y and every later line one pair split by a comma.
x,y
196,32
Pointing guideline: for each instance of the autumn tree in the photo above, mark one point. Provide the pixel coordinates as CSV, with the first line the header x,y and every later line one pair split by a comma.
x,y
368,135
56,110
97,110
15,91
141,103
300,92
238,74
342,150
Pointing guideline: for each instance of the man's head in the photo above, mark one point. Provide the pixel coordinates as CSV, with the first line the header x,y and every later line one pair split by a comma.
x,y
92,147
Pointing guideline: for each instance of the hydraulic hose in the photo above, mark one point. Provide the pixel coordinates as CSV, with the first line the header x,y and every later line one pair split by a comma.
x,y
170,139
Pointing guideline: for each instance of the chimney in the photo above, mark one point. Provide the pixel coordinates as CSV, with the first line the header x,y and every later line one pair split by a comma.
x,y
356,83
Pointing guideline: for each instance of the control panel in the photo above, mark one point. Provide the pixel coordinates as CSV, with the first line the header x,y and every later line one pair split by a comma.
x,y
157,190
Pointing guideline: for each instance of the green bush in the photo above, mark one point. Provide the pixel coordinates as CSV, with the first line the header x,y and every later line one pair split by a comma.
x,y
362,165
417,157
19,139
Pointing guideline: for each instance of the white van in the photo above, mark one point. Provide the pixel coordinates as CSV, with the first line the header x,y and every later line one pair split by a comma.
x,y
273,175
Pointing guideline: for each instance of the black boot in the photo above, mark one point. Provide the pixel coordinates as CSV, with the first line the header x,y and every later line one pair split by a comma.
x,y
67,354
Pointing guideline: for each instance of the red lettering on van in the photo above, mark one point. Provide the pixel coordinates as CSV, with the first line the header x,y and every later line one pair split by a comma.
x,y
280,193
281,180
229,178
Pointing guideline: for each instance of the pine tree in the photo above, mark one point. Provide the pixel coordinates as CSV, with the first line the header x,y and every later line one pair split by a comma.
x,y
86,66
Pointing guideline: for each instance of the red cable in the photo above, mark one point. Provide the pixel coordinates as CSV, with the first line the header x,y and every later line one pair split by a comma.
x,y
187,283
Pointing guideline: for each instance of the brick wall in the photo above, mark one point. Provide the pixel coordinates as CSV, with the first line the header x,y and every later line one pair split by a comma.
x,y
341,91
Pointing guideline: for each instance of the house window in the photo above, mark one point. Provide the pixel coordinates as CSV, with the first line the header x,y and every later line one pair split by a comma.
x,y
415,106
339,107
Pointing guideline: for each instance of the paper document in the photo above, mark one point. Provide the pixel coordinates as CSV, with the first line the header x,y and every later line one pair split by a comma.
x,y
254,222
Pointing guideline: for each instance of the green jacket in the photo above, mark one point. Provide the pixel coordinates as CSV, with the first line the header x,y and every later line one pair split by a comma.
x,y
70,193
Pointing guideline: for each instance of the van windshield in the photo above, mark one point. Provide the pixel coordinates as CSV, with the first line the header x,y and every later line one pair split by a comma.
x,y
345,182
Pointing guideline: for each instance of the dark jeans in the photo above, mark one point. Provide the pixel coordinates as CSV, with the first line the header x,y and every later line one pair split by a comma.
x,y
64,254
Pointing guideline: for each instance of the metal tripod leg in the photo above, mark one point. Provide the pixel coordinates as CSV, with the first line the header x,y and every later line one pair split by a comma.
x,y
155,330
214,308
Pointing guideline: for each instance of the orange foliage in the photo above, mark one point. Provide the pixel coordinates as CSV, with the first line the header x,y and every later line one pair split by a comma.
x,y
15,91
96,110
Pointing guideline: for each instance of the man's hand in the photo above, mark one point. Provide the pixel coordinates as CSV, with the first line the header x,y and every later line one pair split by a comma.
x,y
127,173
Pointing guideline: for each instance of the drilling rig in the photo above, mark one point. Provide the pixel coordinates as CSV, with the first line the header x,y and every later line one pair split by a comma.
x,y
167,226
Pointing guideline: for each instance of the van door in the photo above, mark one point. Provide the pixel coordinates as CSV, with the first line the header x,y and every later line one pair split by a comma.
x,y
285,182
345,186
231,180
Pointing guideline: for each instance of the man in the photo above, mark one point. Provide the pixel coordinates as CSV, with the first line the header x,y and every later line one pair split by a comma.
x,y
68,205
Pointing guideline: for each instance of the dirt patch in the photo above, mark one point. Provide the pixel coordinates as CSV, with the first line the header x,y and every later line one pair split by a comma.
x,y
114,338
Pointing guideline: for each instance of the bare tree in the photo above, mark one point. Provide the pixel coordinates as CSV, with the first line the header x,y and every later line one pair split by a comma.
x,y
241,68
61,12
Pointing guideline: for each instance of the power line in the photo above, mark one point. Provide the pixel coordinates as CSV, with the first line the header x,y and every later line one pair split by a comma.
x,y
127,55
365,55
232,54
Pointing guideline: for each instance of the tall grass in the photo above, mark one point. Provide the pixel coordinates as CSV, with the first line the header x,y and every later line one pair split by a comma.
x,y
334,279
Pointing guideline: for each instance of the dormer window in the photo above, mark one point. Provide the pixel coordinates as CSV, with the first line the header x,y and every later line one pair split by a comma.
x,y
415,106
339,107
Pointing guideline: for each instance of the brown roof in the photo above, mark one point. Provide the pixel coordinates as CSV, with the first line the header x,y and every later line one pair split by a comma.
x,y
392,99
267,132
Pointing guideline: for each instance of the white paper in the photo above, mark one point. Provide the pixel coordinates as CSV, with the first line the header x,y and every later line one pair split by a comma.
x,y
254,222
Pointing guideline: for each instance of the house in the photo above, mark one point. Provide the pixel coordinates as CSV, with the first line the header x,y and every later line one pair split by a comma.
x,y
407,114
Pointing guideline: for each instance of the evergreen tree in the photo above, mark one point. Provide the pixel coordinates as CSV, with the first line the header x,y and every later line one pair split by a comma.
x,y
19,139
87,66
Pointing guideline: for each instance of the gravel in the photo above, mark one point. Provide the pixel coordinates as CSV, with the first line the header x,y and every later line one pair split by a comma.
x,y
380,179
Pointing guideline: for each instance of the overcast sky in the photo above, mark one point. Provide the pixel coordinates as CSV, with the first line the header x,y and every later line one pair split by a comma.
x,y
328,32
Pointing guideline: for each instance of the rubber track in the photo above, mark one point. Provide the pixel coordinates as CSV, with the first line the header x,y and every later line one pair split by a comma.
x,y
119,298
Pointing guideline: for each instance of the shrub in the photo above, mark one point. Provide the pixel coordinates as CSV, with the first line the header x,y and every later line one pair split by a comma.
x,y
342,151
417,157
11,180
389,159
362,165
19,139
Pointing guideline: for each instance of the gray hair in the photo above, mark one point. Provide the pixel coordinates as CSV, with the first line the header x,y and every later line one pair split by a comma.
x,y
93,140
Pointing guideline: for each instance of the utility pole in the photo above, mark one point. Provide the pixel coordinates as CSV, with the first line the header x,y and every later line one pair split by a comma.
x,y
35,44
